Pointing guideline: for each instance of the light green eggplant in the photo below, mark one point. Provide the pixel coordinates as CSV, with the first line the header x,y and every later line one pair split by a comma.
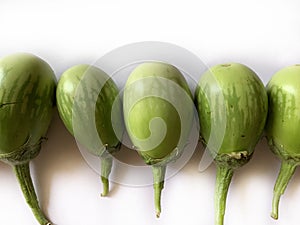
x,y
89,105
230,96
283,126
158,113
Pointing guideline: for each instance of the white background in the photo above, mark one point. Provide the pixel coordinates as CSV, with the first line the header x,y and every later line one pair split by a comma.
x,y
265,35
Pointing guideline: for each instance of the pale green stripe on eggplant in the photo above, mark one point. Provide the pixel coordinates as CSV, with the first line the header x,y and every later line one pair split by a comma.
x,y
85,97
80,89
284,115
31,105
243,105
27,98
232,97
283,128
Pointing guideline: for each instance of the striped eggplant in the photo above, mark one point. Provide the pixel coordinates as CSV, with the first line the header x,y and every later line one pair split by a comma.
x,y
89,105
283,126
231,99
27,98
158,113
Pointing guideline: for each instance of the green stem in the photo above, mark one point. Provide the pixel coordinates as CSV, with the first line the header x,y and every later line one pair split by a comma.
x,y
106,165
224,176
158,184
286,172
22,173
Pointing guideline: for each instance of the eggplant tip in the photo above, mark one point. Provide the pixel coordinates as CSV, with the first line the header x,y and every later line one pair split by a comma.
x,y
157,214
103,195
274,215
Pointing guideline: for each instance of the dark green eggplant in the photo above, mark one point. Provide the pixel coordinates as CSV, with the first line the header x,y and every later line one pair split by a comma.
x,y
27,98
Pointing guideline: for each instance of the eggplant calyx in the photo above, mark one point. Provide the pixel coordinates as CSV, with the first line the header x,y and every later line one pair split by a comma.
x,y
281,152
171,157
233,160
24,153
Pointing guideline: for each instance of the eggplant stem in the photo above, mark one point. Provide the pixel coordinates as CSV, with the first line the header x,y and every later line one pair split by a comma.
x,y
158,185
106,165
22,172
287,170
224,176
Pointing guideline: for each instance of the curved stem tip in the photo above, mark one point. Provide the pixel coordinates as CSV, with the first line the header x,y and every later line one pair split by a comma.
x,y
286,172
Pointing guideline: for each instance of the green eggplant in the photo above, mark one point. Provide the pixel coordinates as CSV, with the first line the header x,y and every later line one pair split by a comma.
x,y
27,98
283,126
158,113
89,105
233,97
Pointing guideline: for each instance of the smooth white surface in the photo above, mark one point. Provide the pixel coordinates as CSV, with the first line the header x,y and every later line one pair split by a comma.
x,y
264,35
